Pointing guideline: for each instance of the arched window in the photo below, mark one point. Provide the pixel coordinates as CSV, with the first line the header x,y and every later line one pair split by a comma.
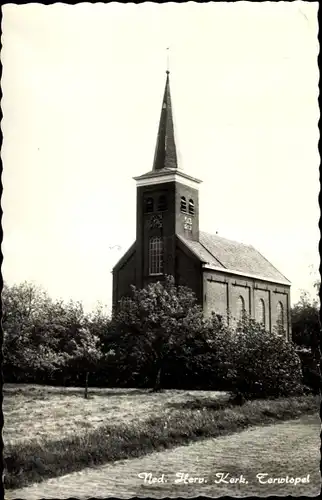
x,y
191,207
148,205
280,317
183,205
162,203
261,311
156,255
240,308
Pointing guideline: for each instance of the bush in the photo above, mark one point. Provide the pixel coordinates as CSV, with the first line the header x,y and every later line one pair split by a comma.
x,y
306,334
310,370
261,364
305,317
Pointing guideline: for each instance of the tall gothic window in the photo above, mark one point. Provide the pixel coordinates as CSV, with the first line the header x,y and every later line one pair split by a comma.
x,y
191,207
148,205
162,203
156,255
280,317
261,311
183,204
240,308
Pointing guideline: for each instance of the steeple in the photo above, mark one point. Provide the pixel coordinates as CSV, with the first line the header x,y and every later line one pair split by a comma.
x,y
165,151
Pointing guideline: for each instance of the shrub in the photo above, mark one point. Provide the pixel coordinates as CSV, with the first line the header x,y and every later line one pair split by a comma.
x,y
306,327
261,364
310,370
306,334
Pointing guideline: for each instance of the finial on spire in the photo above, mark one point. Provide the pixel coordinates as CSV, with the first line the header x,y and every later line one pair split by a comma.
x,y
168,70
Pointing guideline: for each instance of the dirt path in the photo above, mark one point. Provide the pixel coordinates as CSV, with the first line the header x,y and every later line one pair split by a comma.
x,y
290,448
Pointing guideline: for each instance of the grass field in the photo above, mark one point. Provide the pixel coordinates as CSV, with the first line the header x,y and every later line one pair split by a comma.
x,y
51,431
289,448
38,413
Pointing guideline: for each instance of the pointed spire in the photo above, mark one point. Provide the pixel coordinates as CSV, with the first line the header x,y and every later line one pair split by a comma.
x,y
165,151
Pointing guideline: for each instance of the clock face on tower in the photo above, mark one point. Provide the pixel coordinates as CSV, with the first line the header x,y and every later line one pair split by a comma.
x,y
155,221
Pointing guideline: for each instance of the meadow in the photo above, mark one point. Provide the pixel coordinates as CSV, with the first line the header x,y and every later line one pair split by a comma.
x,y
34,413
52,431
287,448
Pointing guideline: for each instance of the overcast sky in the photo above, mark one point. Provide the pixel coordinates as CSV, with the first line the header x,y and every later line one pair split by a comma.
x,y
82,88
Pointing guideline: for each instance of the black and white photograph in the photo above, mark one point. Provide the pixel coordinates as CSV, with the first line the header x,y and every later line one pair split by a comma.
x,y
160,216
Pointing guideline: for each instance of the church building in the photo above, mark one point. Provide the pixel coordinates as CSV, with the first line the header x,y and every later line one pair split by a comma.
x,y
225,275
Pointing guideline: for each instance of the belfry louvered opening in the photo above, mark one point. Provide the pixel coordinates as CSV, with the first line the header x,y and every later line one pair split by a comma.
x,y
191,207
148,205
183,204
162,203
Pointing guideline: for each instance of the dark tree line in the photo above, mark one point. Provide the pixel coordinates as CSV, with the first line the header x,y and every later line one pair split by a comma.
x,y
306,334
158,338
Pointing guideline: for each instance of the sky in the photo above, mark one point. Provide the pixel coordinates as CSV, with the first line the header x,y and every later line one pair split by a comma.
x,y
82,88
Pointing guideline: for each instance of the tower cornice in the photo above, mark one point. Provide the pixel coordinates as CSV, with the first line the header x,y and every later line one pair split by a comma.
x,y
166,175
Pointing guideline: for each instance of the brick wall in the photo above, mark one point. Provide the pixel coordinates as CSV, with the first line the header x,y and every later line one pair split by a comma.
x,y
180,218
188,270
221,290
216,298
123,277
144,231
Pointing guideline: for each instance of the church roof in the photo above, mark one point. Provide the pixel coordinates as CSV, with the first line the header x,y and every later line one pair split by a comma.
x,y
165,151
233,256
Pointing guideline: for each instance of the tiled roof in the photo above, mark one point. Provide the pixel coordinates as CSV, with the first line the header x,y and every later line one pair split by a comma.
x,y
201,252
234,256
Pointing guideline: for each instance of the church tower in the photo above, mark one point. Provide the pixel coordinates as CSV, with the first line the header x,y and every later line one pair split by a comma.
x,y
226,276
167,205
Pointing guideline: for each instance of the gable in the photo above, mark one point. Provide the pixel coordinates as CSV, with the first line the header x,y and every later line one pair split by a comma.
x,y
229,255
128,254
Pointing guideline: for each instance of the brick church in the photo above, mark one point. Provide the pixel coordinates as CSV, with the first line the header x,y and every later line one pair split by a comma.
x,y
225,275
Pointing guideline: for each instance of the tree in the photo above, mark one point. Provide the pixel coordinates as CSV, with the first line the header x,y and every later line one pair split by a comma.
x,y
25,351
45,339
305,318
306,332
77,346
261,364
159,318
83,354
